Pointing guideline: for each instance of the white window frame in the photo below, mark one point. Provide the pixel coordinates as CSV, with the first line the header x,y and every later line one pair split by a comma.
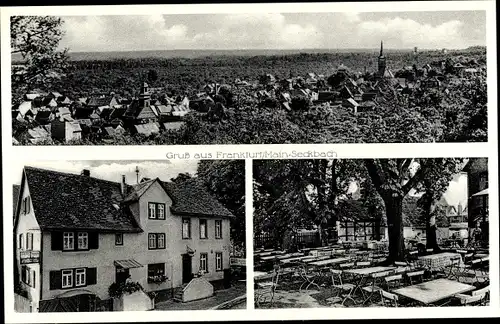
x,y
151,210
158,240
161,211
68,274
152,238
204,262
218,261
84,236
69,236
80,275
218,228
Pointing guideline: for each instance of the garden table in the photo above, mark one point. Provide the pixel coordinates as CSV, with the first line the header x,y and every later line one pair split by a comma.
x,y
433,291
437,261
328,262
363,276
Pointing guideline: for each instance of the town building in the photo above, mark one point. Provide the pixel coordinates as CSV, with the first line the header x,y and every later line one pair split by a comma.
x,y
76,235
477,186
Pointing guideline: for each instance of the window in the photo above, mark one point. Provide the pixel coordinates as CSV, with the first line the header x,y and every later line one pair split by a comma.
x,y
83,241
161,211
34,280
218,229
67,279
21,242
152,241
156,241
151,210
160,240
203,228
156,272
26,275
119,239
25,205
156,210
68,241
29,241
218,261
80,277
186,228
204,262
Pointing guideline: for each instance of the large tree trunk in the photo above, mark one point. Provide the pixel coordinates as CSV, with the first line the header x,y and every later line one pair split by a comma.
x,y
333,197
430,229
394,212
376,235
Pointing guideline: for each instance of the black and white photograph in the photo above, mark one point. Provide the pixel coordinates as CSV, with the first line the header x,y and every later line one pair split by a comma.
x,y
249,78
410,232
93,236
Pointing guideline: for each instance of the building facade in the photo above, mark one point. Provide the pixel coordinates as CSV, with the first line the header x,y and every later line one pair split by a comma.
x,y
77,235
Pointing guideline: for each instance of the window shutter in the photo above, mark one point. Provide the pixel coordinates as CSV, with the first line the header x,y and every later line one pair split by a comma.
x,y
55,280
91,276
56,241
28,203
23,273
93,240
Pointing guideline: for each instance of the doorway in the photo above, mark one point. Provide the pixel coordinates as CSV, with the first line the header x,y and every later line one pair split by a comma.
x,y
121,275
187,268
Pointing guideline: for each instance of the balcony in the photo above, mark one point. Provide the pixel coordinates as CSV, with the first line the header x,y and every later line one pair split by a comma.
x,y
27,257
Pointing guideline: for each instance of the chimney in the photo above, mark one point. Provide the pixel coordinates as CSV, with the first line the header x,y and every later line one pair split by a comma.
x,y
85,172
123,185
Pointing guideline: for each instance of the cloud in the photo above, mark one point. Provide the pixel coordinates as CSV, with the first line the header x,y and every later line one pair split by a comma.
x,y
113,33
113,170
405,33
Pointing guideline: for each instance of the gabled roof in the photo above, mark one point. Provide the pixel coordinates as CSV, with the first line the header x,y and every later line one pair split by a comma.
x,y
70,201
147,129
190,197
99,101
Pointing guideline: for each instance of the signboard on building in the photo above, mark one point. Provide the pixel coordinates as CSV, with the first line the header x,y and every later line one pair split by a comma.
x,y
27,257
241,262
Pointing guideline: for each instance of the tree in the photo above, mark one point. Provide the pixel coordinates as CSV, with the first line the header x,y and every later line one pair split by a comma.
x,y
434,182
36,40
225,179
152,76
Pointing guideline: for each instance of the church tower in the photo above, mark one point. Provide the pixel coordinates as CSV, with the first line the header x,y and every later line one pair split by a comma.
x,y
144,96
381,61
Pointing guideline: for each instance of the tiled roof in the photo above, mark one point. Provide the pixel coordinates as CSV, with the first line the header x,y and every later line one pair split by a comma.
x,y
16,189
70,201
99,101
190,197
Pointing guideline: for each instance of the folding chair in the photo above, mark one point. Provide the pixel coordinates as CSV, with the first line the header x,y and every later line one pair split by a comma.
x,y
345,266
363,264
388,299
468,300
342,287
415,275
268,290
394,281
308,278
483,291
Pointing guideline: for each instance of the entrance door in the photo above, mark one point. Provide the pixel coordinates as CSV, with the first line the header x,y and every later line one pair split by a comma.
x,y
121,275
187,268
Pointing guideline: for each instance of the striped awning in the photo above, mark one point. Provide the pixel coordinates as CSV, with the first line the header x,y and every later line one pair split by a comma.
x,y
128,264
481,193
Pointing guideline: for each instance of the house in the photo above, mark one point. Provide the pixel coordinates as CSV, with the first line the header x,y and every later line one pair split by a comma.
x,y
477,182
102,101
44,116
172,126
38,135
147,129
92,233
64,130
351,103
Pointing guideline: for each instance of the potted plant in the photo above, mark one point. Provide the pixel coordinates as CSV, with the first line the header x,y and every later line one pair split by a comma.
x,y
116,290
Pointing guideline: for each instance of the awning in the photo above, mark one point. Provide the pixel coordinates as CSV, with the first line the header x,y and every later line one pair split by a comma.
x,y
481,193
128,264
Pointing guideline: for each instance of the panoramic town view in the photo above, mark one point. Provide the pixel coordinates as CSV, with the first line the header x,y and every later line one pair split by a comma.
x,y
93,236
371,233
273,78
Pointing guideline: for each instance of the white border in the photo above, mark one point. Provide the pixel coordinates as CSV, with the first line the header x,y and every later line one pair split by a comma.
x,y
10,154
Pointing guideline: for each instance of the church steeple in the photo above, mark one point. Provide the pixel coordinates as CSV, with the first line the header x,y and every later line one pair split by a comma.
x,y
381,61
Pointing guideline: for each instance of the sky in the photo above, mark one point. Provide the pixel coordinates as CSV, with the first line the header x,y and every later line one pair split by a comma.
x,y
113,170
398,30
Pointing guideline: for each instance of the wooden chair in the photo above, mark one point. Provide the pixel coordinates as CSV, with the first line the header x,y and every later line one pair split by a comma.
x,y
415,275
469,300
344,289
268,290
394,281
388,299
363,264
